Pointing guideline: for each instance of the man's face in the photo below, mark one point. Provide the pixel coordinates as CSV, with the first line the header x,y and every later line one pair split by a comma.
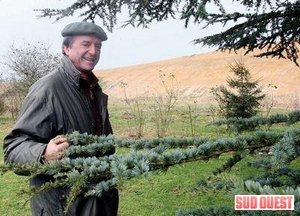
x,y
84,52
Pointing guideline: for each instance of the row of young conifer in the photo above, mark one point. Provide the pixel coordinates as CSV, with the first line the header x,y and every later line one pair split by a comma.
x,y
242,124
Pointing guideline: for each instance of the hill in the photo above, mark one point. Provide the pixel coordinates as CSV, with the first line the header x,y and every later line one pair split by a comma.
x,y
196,74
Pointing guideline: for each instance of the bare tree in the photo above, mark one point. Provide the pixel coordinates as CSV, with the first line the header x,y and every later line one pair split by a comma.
x,y
29,63
2,101
25,66
165,104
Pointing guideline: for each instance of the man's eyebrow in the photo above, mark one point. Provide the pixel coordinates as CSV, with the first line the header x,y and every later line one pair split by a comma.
x,y
88,41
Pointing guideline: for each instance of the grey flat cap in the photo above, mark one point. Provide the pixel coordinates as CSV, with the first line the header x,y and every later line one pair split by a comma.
x,y
84,28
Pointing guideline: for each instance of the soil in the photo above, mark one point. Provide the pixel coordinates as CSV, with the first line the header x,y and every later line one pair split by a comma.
x,y
195,75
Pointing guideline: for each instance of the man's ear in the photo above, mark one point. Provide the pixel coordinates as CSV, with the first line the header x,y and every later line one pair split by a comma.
x,y
66,50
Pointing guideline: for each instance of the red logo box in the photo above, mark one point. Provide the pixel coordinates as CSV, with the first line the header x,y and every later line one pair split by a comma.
x,y
264,202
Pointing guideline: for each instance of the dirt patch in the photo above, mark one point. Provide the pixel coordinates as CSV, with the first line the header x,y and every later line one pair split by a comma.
x,y
195,75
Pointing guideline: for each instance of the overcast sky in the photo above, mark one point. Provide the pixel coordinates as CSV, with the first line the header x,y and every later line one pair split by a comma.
x,y
124,47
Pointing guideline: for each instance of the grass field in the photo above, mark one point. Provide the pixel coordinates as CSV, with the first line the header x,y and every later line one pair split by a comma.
x,y
161,193
11,199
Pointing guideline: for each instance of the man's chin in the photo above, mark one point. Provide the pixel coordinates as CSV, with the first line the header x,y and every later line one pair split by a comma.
x,y
89,68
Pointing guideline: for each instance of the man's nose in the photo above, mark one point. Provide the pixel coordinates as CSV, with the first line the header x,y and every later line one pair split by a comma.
x,y
94,49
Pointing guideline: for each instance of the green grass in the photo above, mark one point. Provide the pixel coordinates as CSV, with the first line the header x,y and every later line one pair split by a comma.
x,y
124,124
13,202
160,193
165,192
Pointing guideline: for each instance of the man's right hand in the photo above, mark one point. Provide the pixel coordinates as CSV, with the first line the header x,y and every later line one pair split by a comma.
x,y
55,149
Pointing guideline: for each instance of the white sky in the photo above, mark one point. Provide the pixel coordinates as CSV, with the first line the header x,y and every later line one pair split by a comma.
x,y
125,46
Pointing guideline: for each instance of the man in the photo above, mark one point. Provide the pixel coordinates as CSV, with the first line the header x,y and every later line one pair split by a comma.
x,y
66,100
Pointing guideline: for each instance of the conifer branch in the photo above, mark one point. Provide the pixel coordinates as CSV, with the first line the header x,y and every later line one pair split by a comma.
x,y
92,175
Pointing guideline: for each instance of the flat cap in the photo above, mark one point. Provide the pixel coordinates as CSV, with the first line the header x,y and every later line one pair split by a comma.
x,y
84,28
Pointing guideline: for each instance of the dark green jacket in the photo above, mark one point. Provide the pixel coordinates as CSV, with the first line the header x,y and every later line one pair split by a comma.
x,y
55,105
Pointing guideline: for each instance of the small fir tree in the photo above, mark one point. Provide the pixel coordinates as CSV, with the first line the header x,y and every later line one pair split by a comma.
x,y
242,98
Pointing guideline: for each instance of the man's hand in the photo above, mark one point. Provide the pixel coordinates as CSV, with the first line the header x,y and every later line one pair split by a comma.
x,y
55,148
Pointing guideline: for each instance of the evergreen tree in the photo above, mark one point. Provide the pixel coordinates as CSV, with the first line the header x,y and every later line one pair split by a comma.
x,y
242,99
269,25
